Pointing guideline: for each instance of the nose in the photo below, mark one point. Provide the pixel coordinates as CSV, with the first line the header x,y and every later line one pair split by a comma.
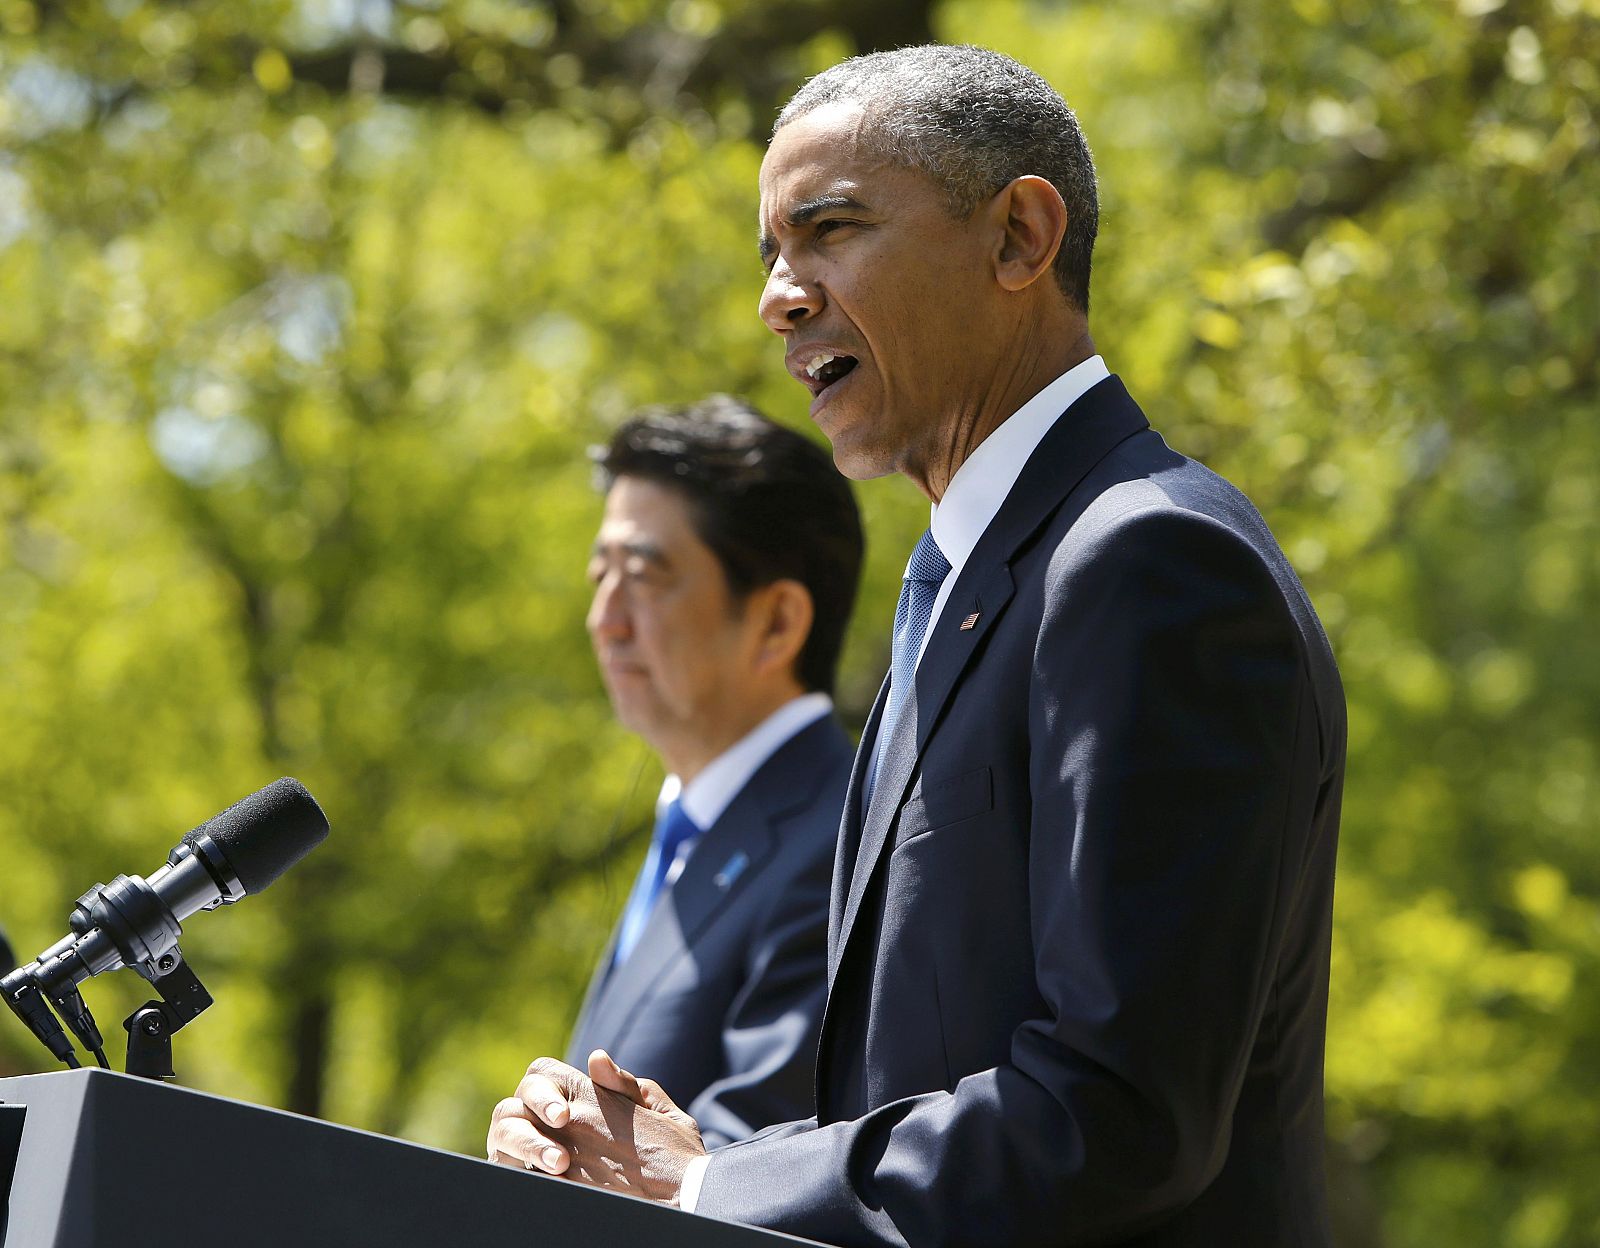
x,y
608,620
786,301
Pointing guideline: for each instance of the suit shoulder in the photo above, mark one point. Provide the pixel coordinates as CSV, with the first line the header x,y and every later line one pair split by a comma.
x,y
1146,497
805,782
1177,528
814,758
817,818
1145,477
1138,524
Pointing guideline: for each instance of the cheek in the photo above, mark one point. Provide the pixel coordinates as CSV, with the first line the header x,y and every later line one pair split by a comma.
x,y
664,640
909,324
647,639
711,649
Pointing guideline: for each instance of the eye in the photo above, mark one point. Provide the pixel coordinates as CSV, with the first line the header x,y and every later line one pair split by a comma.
x,y
831,225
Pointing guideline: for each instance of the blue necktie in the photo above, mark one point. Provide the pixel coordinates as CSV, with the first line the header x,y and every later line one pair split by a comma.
x,y
925,573
673,828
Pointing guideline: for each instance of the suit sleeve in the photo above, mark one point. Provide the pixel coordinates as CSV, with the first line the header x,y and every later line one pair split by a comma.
x,y
769,1036
1169,728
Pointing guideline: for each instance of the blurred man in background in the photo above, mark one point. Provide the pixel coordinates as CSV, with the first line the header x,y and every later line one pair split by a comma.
x,y
724,572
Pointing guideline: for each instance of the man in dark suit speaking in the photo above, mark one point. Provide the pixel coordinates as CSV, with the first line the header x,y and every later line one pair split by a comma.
x,y
1079,937
717,620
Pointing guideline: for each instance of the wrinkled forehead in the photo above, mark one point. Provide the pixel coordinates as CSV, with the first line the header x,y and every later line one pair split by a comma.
x,y
824,151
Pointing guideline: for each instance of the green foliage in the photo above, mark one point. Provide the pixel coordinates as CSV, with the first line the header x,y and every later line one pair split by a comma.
x,y
308,319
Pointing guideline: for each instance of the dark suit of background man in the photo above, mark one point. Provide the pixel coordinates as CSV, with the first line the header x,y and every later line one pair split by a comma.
x,y
1078,947
717,620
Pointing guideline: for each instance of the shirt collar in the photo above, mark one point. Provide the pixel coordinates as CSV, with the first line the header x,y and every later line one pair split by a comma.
x,y
981,484
720,781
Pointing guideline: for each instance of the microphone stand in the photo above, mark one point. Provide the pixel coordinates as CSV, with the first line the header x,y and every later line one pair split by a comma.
x,y
136,922
182,999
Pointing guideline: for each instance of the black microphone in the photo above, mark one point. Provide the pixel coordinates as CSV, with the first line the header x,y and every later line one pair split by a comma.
x,y
8,960
136,922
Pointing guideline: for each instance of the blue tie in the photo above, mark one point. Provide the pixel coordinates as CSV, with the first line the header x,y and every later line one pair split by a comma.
x,y
924,575
673,828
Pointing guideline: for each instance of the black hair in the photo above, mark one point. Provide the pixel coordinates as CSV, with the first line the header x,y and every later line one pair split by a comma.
x,y
766,500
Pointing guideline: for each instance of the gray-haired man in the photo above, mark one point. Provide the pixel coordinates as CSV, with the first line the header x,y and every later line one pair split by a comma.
x,y
1079,934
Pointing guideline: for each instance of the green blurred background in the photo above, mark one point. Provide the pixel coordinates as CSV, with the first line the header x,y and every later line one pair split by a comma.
x,y
308,310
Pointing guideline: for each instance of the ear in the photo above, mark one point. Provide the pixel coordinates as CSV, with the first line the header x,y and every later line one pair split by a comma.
x,y
785,612
1032,220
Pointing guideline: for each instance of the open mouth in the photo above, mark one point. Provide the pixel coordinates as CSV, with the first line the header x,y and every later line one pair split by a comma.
x,y
823,371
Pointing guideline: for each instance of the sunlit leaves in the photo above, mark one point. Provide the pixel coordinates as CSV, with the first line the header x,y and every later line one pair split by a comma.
x,y
309,312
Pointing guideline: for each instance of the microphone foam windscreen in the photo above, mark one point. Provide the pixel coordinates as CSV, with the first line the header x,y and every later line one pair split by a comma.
x,y
265,834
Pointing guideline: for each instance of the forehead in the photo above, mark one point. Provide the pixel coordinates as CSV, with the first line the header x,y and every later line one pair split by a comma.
x,y
641,512
821,154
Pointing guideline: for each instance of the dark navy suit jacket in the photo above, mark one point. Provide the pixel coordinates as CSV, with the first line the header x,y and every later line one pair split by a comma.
x,y
720,1001
1078,949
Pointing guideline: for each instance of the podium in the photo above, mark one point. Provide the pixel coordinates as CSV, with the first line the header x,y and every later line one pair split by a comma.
x,y
96,1159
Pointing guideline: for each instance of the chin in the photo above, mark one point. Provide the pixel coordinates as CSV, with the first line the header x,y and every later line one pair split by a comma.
x,y
631,711
857,457
863,469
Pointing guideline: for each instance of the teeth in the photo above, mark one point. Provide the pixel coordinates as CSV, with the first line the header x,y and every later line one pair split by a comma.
x,y
813,368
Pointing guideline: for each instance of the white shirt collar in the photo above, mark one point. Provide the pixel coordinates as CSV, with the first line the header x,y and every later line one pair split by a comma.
x,y
981,484
706,796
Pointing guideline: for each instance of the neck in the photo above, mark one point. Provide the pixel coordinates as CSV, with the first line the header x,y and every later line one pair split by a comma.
x,y
1026,371
691,752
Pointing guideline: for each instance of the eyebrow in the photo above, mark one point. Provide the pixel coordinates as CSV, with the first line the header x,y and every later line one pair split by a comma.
x,y
648,551
806,211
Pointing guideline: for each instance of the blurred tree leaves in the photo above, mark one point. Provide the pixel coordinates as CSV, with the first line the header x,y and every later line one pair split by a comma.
x,y
309,310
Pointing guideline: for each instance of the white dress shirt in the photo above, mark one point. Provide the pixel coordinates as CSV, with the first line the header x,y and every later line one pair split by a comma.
x,y
981,484
971,501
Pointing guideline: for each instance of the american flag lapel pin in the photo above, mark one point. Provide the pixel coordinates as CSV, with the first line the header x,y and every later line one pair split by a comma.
x,y
969,623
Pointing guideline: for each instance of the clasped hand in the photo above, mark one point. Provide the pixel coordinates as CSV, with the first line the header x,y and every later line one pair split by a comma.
x,y
608,1129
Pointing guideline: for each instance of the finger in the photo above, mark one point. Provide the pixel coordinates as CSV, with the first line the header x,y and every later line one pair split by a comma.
x,y
605,1073
514,1141
546,1098
656,1098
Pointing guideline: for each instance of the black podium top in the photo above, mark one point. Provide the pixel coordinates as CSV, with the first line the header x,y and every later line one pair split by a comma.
x,y
97,1158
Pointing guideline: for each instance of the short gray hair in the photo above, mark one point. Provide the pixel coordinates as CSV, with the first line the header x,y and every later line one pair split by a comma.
x,y
972,120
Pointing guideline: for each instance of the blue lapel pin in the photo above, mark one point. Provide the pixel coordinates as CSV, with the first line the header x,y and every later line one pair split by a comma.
x,y
731,870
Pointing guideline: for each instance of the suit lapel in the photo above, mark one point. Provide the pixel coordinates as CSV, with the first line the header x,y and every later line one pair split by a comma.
x,y
949,650
1097,422
844,859
686,906
588,1013
732,853
728,859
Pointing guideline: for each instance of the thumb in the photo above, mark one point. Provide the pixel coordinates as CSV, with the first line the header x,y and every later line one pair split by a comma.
x,y
605,1073
656,1098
